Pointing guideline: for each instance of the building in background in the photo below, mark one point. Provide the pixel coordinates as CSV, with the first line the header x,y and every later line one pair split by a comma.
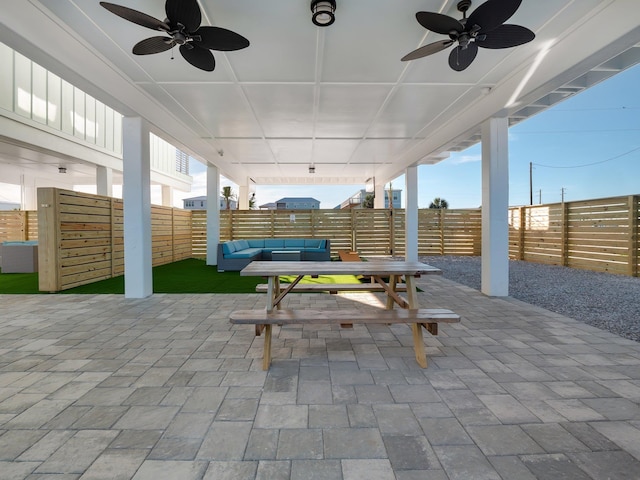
x,y
200,203
297,203
9,206
359,199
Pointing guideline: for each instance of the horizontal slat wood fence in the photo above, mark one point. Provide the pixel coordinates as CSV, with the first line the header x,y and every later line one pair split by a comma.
x,y
81,235
81,238
599,235
18,225
369,232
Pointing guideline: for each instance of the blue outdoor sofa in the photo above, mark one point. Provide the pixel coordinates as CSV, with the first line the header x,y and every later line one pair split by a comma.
x,y
237,254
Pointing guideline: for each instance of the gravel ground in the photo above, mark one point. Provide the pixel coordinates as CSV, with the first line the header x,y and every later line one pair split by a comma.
x,y
610,302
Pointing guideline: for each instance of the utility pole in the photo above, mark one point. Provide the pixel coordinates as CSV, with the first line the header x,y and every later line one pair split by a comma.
x,y
562,193
530,183
540,196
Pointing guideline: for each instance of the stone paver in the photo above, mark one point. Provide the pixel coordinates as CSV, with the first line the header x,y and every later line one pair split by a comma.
x,y
98,386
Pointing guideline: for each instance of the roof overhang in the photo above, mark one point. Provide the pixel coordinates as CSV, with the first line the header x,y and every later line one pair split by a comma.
x,y
338,97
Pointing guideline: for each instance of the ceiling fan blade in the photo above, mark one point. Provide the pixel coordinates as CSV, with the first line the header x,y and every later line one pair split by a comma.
x,y
436,22
198,57
186,12
217,38
460,58
153,45
492,14
506,36
135,16
427,50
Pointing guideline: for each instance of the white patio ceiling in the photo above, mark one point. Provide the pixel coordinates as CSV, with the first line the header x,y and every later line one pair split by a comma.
x,y
336,97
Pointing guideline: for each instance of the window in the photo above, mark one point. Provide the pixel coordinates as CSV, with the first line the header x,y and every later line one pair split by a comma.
x,y
38,93
67,108
90,119
23,85
182,162
54,97
6,78
32,92
100,123
78,113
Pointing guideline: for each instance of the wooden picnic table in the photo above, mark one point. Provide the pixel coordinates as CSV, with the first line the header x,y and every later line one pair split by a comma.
x,y
378,270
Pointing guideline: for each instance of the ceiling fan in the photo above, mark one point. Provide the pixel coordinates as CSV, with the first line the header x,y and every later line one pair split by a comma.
x,y
485,28
182,27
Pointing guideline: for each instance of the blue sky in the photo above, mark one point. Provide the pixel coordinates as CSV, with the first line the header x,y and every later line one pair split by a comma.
x,y
588,145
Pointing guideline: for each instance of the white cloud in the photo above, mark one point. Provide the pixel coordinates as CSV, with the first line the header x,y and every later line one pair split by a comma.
x,y
460,159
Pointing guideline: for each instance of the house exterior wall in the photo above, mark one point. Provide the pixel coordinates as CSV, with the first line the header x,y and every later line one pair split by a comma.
x,y
34,96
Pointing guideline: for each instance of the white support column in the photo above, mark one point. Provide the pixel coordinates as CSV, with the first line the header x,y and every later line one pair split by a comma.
x,y
378,201
28,193
495,207
243,197
167,196
213,214
411,214
104,181
136,196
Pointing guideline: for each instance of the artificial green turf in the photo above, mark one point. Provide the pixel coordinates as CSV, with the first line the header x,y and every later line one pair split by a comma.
x,y
322,279
187,276
19,283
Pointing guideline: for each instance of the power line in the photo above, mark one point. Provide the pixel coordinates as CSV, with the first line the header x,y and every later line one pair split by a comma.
x,y
588,109
547,132
590,164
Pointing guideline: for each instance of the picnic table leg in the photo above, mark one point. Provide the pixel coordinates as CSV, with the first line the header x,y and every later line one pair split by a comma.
x,y
392,284
273,290
418,340
276,292
266,353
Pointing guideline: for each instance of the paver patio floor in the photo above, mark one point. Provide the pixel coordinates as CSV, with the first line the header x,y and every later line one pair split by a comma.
x,y
102,387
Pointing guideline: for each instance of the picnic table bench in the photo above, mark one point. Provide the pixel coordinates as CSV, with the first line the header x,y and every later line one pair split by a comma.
x,y
427,318
334,287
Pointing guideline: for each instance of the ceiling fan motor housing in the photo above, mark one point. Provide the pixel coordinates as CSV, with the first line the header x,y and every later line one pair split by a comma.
x,y
463,5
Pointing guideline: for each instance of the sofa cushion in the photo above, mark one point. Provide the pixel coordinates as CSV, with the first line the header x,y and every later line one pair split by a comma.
x,y
312,243
273,243
294,243
228,248
241,244
256,243
245,253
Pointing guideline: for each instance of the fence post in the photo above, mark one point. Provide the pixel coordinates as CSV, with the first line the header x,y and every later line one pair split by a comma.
x,y
633,235
441,228
24,216
272,214
173,236
113,236
521,236
392,232
48,240
564,243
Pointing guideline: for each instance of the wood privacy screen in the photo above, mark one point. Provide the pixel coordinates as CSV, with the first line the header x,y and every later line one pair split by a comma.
x,y
18,225
81,235
599,235
81,238
369,232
